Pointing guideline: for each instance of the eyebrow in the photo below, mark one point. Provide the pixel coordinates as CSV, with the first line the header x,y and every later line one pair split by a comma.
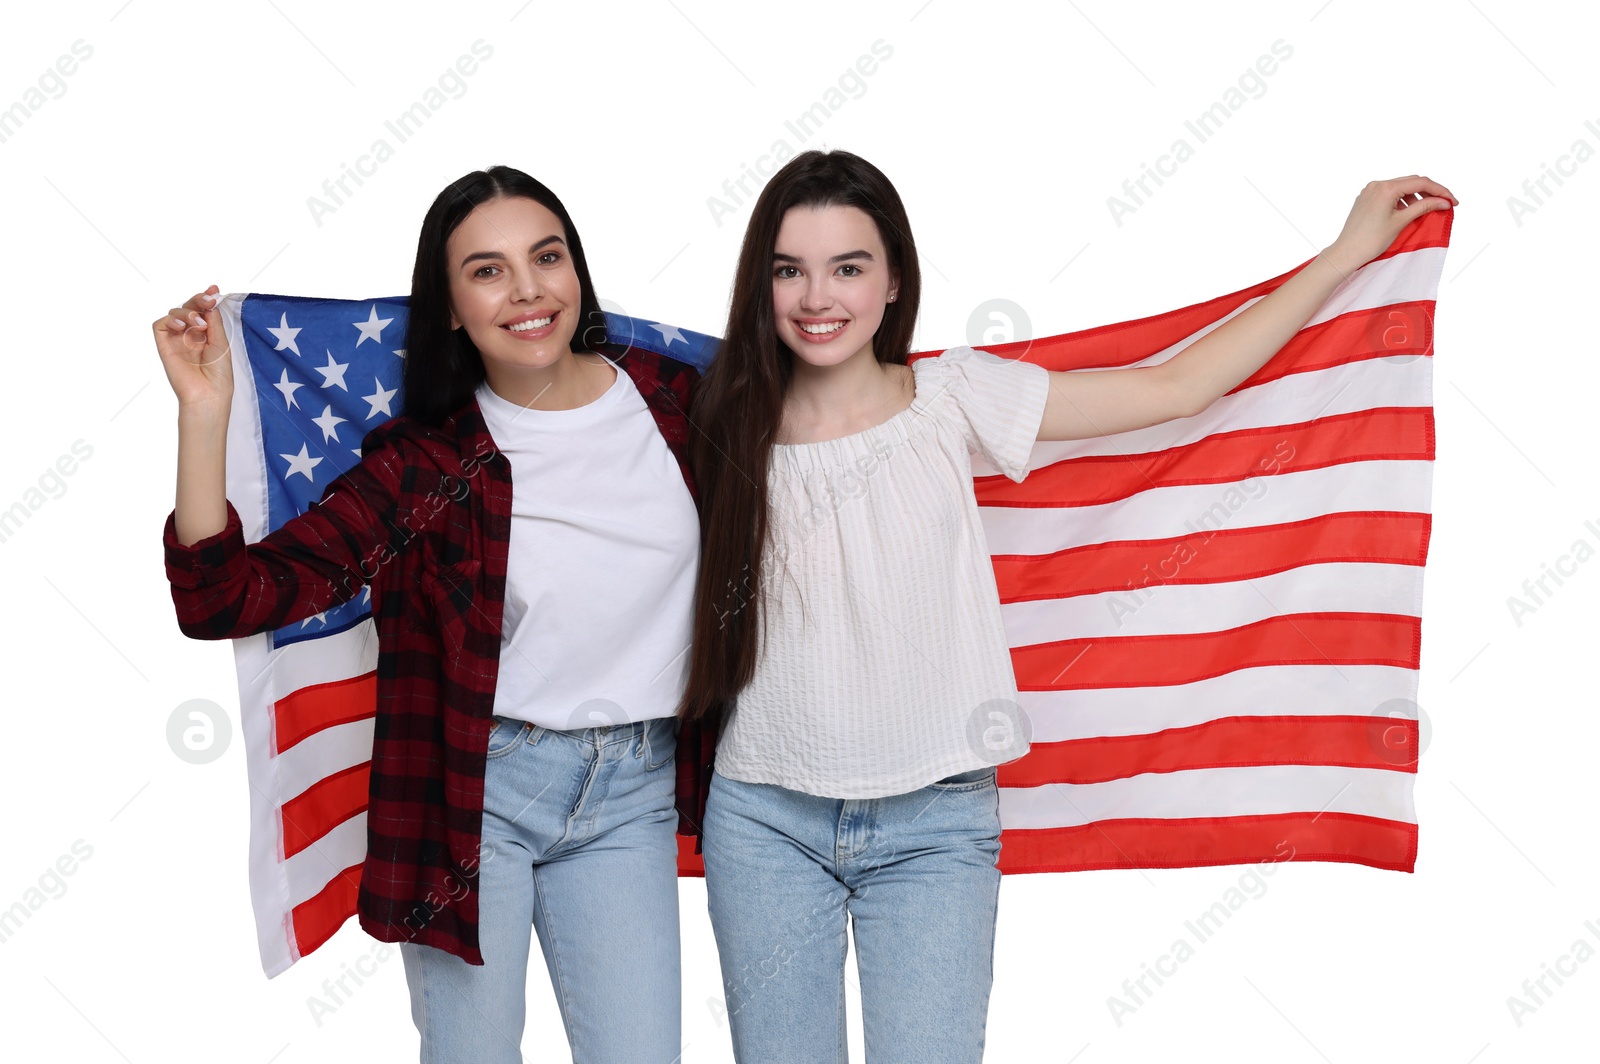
x,y
778,256
476,255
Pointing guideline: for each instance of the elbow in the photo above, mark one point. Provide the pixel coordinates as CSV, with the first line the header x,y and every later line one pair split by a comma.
x,y
209,616
193,632
1186,398
194,629
1193,404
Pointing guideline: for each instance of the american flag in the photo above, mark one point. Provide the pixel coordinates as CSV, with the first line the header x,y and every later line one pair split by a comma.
x,y
1214,622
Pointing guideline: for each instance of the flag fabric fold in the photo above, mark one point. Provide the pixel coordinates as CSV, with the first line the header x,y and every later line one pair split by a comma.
x,y
1215,622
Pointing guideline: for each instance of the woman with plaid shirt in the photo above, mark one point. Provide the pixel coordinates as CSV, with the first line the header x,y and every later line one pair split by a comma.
x,y
531,627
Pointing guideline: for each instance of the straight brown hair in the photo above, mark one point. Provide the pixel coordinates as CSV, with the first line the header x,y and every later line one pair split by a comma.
x,y
738,407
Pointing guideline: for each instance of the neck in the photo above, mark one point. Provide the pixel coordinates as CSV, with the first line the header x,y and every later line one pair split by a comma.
x,y
824,402
569,382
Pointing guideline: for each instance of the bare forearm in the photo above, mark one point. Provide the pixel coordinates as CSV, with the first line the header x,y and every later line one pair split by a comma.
x,y
1080,405
1217,363
201,509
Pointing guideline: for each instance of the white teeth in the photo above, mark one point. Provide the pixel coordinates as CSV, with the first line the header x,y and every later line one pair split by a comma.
x,y
819,330
536,323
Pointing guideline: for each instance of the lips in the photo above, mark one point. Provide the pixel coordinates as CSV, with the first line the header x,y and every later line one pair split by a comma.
x,y
547,324
820,330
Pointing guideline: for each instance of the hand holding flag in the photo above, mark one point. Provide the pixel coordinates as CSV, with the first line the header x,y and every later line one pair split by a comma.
x,y
194,351
1381,211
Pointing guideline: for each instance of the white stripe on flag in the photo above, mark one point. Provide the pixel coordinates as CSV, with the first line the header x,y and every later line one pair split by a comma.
x,y
1184,509
322,754
1409,277
245,486
327,659
1172,609
1270,690
1214,792
308,871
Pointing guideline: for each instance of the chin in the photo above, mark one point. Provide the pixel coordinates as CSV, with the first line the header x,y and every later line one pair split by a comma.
x,y
541,357
821,360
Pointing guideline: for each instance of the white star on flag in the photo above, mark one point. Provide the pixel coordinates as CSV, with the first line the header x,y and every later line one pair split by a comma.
x,y
327,422
285,334
333,372
380,400
372,328
301,463
287,387
669,333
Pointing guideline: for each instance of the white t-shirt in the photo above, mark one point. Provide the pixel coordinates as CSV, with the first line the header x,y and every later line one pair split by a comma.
x,y
604,549
883,665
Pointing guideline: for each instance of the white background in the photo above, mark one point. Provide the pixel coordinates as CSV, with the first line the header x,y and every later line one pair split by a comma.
x,y
184,150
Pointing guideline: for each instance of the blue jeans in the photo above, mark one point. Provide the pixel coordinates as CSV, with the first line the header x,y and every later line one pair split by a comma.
x,y
915,874
578,841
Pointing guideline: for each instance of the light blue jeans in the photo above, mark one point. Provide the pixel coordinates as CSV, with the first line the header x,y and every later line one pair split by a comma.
x,y
578,842
916,875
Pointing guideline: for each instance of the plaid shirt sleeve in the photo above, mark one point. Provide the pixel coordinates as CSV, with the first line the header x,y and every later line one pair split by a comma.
x,y
223,589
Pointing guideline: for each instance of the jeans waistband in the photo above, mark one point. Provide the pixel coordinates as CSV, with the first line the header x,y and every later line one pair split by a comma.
x,y
602,735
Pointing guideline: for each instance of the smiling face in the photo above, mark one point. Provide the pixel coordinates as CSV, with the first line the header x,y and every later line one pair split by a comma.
x,y
513,286
830,282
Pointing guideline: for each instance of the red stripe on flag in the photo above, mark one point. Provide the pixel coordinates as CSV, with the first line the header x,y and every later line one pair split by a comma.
x,y
324,705
689,862
1432,230
1162,660
1389,434
1215,555
1355,741
1121,343
323,806
315,920
1126,342
1199,841
1380,332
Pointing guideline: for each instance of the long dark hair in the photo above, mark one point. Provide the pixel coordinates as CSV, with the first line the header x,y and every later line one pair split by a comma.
x,y
443,366
739,405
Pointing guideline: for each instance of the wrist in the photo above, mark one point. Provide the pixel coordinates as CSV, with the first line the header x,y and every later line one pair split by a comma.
x,y
201,433
1340,261
203,414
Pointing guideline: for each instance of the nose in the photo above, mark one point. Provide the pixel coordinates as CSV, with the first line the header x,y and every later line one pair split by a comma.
x,y
525,285
817,295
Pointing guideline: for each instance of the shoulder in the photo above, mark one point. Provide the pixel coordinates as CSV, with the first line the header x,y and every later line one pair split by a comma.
x,y
957,359
658,377
934,374
405,443
404,435
969,369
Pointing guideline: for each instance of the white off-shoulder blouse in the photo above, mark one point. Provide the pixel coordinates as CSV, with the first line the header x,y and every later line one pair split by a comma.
x,y
883,664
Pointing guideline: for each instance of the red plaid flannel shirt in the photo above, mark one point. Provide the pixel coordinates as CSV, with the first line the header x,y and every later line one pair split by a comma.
x,y
437,606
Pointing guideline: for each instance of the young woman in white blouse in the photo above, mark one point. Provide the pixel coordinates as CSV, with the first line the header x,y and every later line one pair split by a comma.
x,y
847,625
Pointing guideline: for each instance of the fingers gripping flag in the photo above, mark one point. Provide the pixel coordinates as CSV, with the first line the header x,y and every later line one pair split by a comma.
x,y
1214,622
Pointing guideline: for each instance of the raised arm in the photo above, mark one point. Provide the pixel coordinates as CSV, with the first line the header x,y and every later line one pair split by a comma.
x,y
1101,402
194,354
222,588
